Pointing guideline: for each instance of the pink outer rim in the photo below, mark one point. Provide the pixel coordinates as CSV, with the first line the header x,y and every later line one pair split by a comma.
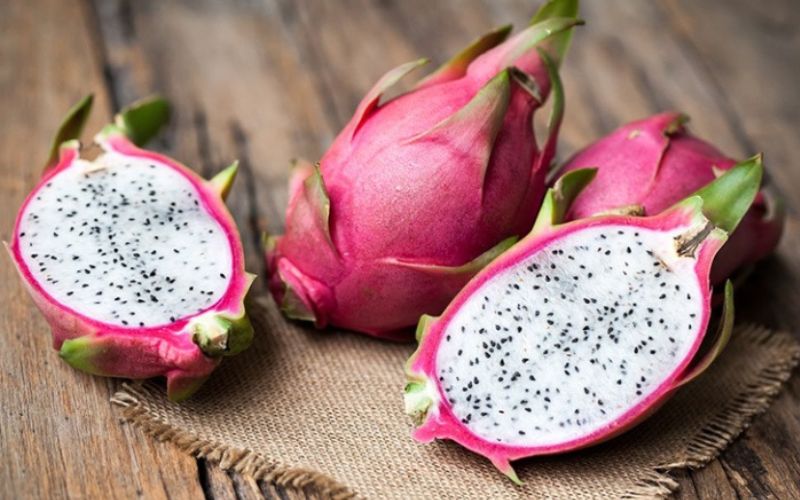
x,y
231,300
442,424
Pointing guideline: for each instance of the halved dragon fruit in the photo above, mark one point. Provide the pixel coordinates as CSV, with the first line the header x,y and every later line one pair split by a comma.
x,y
416,194
132,258
580,330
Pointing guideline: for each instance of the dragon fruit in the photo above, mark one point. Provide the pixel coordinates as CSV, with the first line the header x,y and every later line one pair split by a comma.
x,y
581,329
132,258
418,193
648,165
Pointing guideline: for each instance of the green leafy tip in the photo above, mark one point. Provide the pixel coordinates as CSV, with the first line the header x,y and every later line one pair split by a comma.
x,y
268,242
504,466
217,335
425,322
488,108
222,182
720,340
557,112
559,43
293,305
141,120
71,127
559,198
417,400
544,35
319,202
728,198
457,66
81,353
676,125
370,101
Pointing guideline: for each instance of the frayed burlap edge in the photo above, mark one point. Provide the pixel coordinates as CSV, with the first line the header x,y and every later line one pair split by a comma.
x,y
245,462
731,421
705,446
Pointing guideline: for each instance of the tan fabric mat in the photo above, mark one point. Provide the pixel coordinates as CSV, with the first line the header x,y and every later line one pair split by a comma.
x,y
325,409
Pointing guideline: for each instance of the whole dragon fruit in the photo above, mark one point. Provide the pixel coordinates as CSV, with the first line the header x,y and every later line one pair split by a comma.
x,y
580,330
418,193
132,258
647,165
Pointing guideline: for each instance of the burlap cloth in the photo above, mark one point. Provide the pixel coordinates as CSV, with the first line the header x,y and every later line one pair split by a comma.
x,y
304,408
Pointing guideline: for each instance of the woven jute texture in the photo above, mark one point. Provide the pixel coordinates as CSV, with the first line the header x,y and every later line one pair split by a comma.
x,y
324,409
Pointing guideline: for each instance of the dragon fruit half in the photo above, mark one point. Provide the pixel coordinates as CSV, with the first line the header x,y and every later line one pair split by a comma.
x,y
132,258
581,329
647,165
418,193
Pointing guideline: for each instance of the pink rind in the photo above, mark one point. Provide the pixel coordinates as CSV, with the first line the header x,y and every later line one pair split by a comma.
x,y
440,423
164,350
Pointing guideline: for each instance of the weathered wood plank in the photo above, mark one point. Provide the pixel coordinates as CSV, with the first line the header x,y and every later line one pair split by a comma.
x,y
59,436
268,80
748,56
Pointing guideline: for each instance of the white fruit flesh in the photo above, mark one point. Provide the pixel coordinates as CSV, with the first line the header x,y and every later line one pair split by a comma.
x,y
125,241
568,340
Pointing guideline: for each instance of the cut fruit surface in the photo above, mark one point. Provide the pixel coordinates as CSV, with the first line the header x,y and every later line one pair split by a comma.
x,y
580,330
126,241
133,259
556,337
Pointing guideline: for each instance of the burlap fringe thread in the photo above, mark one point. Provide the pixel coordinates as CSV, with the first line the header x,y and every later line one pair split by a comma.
x,y
245,462
731,421
705,446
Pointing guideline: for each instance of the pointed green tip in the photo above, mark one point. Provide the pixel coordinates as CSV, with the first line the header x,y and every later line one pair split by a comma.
x,y
217,335
557,110
556,8
71,127
677,124
294,307
559,43
222,182
728,198
240,335
320,202
268,242
552,34
512,475
457,66
720,340
370,101
560,197
81,353
142,120
504,466
419,395
425,322
488,105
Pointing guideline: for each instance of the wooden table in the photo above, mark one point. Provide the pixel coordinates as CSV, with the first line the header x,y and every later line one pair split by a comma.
x,y
264,80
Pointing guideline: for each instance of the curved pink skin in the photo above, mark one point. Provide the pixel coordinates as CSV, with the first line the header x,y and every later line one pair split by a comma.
x,y
394,201
655,163
441,423
135,352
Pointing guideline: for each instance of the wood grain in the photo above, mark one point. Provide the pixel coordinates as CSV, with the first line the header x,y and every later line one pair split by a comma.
x,y
268,80
59,437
